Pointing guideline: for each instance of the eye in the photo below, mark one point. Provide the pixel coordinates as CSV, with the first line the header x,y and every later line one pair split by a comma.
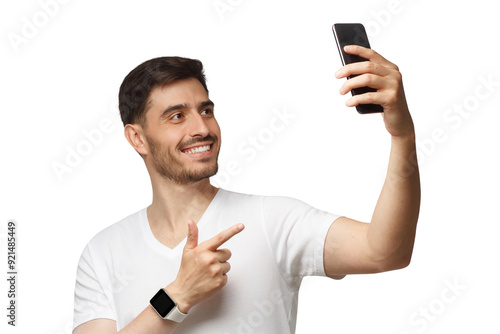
x,y
176,116
207,111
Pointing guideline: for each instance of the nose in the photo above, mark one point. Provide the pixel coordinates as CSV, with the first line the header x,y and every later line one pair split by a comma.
x,y
198,126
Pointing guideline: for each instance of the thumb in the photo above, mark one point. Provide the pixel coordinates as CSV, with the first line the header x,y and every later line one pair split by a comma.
x,y
192,236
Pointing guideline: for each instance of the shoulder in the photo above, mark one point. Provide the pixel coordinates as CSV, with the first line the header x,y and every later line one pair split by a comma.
x,y
238,196
263,204
280,210
121,232
232,197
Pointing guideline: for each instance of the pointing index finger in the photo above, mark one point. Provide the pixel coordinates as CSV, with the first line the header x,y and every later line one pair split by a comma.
x,y
223,236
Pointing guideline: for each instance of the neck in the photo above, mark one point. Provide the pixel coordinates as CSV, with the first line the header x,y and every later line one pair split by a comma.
x,y
173,204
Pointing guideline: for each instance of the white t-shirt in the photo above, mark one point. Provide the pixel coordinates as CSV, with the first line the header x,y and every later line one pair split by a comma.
x,y
124,265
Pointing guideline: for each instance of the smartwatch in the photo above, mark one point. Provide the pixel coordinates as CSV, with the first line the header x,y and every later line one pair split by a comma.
x,y
165,306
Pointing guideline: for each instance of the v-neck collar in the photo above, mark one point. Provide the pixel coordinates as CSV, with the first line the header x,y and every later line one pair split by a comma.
x,y
172,252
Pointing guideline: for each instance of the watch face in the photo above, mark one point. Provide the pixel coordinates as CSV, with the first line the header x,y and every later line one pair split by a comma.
x,y
162,303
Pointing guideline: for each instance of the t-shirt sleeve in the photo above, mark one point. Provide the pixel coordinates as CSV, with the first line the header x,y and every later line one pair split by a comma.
x,y
91,301
296,233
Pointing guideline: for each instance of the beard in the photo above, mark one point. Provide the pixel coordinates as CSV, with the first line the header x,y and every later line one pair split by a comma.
x,y
170,167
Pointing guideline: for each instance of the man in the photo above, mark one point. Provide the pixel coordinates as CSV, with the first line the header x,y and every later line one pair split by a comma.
x,y
176,246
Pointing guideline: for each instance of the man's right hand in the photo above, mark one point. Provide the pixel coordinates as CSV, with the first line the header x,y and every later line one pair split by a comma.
x,y
203,268
202,274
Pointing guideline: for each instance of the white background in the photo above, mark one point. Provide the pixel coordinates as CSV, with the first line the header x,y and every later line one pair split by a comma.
x,y
61,79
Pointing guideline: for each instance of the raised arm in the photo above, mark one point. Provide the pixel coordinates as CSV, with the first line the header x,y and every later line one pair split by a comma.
x,y
386,243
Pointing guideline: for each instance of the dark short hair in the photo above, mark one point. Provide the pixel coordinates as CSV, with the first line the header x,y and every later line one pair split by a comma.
x,y
136,88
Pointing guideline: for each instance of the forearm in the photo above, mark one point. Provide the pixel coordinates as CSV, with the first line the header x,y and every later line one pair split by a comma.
x,y
391,233
149,322
203,273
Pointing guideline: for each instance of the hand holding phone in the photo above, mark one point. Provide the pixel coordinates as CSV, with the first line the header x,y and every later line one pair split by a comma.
x,y
354,34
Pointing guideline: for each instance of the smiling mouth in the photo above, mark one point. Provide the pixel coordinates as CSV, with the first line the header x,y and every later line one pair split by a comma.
x,y
198,149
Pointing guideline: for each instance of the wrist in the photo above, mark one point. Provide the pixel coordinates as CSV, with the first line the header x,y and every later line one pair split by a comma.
x,y
178,296
407,136
399,125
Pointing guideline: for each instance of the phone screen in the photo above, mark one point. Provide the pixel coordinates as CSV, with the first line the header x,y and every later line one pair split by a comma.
x,y
354,34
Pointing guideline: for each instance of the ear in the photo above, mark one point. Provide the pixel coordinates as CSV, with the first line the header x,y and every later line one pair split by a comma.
x,y
135,136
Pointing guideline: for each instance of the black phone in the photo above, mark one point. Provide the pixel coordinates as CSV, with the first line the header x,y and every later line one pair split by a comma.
x,y
354,34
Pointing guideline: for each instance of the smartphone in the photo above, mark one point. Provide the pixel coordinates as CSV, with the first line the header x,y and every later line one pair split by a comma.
x,y
354,34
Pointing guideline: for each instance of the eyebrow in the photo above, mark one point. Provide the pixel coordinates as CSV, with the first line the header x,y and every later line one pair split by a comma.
x,y
204,104
180,106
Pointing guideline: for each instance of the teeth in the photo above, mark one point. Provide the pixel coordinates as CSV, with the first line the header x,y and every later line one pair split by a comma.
x,y
198,149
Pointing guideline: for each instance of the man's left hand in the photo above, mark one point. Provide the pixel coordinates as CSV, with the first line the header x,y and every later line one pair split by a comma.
x,y
384,76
